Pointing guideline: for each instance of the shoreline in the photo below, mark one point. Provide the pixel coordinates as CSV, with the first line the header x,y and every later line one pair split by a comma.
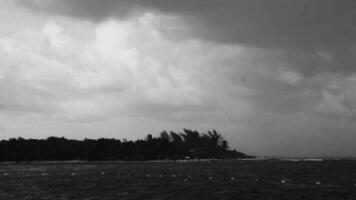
x,y
178,161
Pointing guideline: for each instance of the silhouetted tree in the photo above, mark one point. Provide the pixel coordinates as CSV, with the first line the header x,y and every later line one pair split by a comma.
x,y
166,146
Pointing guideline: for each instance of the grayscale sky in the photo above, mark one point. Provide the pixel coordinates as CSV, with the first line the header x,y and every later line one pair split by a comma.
x,y
274,77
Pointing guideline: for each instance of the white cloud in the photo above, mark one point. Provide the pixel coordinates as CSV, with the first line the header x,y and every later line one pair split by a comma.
x,y
127,63
290,77
332,104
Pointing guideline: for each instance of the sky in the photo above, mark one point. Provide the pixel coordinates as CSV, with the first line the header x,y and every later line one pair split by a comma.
x,y
275,78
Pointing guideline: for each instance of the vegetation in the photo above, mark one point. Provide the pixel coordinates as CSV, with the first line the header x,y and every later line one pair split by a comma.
x,y
189,144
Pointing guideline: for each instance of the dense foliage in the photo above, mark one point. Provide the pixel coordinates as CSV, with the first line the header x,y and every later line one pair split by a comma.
x,y
189,144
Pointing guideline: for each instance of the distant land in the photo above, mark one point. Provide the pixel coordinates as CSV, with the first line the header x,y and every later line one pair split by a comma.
x,y
167,146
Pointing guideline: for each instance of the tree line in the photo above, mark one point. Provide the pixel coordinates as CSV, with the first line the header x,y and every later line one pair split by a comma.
x,y
184,145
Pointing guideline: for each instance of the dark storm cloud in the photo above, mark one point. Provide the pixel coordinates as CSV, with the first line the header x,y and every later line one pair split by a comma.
x,y
256,22
91,10
302,28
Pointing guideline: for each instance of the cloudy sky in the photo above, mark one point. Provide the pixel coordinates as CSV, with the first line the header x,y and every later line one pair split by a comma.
x,y
274,77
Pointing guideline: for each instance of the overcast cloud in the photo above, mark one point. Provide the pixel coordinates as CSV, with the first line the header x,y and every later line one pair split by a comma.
x,y
274,77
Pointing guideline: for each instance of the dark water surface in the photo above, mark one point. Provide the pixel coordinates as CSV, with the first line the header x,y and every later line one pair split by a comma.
x,y
265,179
